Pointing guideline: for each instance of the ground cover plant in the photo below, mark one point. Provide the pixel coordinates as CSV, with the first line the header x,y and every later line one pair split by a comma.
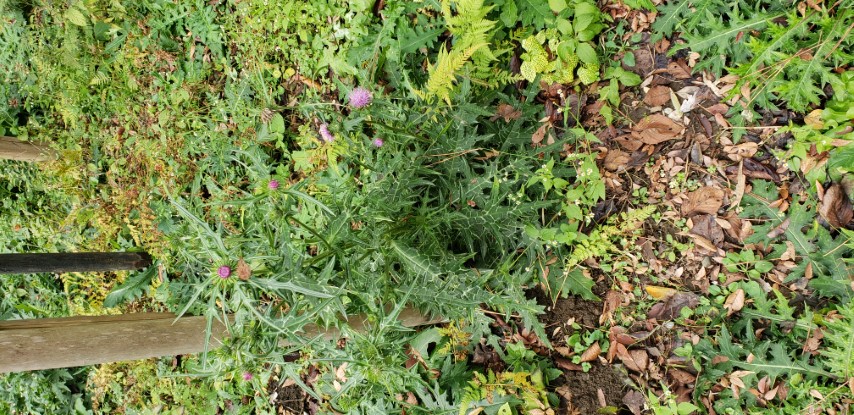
x,y
611,207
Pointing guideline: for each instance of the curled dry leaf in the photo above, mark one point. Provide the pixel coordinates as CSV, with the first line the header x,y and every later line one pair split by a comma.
x,y
591,353
835,207
538,135
703,200
741,151
655,129
734,302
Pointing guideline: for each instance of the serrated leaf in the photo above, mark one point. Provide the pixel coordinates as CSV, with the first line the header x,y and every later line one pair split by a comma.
x,y
76,17
573,283
412,259
132,288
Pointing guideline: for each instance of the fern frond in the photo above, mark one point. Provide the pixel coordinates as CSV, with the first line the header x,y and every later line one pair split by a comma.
x,y
443,73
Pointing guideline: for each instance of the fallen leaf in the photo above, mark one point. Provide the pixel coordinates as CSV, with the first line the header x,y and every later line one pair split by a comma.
x,y
779,229
678,71
538,135
612,301
635,360
659,293
507,112
703,200
734,302
813,342
681,376
755,170
244,271
670,309
657,96
813,119
835,207
635,401
707,226
566,364
655,129
591,353
616,160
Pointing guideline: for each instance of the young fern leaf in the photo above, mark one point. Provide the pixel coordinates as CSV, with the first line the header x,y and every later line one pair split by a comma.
x,y
443,72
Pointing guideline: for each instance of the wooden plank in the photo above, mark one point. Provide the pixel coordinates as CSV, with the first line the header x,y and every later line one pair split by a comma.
x,y
73,262
86,340
13,149
101,339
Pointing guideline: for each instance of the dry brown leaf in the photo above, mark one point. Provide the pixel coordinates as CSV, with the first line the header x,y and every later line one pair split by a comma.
x,y
566,364
734,302
812,343
592,353
681,376
657,96
635,401
741,151
779,229
678,71
507,112
835,207
538,135
707,226
670,308
616,160
703,200
628,143
635,360
655,129
612,301
244,271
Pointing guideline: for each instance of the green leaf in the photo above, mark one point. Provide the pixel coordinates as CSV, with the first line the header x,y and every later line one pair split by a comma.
x,y
277,123
557,6
76,17
587,54
509,14
132,288
572,283
564,26
420,264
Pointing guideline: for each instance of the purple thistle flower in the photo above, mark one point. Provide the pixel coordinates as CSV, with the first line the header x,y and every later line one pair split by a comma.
x,y
247,376
325,134
360,97
224,271
378,142
273,185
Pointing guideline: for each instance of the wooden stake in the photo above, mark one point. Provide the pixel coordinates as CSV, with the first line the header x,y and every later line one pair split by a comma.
x,y
77,341
73,262
13,149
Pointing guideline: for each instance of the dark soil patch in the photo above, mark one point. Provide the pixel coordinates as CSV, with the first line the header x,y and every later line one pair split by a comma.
x,y
584,390
571,309
287,399
580,392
